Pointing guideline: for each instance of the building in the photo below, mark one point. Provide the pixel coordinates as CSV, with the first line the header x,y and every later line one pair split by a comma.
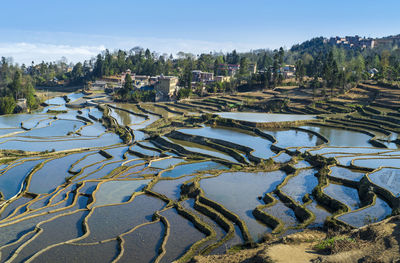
x,y
123,76
98,85
288,71
153,80
222,79
21,106
166,87
352,42
141,80
372,72
252,68
114,79
229,69
200,76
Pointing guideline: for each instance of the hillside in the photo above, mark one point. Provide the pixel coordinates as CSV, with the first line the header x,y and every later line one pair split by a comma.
x,y
377,242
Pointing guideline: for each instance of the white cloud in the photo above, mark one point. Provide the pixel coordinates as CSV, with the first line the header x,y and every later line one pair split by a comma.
x,y
38,46
27,52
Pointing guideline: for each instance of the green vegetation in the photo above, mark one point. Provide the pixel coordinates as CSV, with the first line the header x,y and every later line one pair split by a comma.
x,y
14,85
333,244
7,105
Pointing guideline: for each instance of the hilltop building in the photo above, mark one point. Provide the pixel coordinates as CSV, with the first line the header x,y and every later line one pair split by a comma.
x,y
352,41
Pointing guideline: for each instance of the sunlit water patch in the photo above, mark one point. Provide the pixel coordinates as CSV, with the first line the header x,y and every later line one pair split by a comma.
x,y
260,145
341,137
347,195
239,192
294,138
11,182
264,117
368,215
301,184
183,234
375,163
387,178
344,173
188,169
113,192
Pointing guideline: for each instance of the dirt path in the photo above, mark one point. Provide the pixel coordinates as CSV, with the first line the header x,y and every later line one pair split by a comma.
x,y
283,253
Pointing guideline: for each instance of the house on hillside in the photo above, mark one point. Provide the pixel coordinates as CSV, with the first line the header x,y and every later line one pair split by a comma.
x,y
98,85
288,71
166,87
222,79
22,106
230,69
200,76
372,72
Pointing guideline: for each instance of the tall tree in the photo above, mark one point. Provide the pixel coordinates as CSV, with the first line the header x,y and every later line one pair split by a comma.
x,y
300,71
243,66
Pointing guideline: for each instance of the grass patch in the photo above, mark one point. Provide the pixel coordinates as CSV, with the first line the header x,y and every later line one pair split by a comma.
x,y
336,244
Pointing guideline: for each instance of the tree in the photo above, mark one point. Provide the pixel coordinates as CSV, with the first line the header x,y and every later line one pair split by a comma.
x,y
98,70
16,85
184,93
330,72
31,100
275,69
127,88
243,66
7,105
232,58
300,71
281,55
128,85
77,73
384,65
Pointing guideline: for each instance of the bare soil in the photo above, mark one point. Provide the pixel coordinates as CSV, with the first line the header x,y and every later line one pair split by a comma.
x,y
377,242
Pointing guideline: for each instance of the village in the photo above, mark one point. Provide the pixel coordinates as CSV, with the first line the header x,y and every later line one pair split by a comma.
x,y
167,87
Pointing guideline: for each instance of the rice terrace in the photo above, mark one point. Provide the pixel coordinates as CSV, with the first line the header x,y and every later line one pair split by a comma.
x,y
172,180
199,132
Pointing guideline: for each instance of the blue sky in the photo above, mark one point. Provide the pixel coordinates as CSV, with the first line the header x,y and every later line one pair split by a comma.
x,y
48,29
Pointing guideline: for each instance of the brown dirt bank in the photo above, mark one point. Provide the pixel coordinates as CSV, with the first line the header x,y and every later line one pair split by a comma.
x,y
378,242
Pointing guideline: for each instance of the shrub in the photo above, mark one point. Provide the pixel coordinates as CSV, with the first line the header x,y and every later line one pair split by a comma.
x,y
336,244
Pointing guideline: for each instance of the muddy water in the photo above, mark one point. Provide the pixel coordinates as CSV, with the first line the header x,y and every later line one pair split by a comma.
x,y
126,119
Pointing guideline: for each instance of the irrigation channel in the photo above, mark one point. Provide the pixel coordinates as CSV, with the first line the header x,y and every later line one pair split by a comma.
x,y
167,181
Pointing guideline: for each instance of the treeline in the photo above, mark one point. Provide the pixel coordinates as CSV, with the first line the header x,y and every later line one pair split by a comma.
x,y
358,61
319,64
309,57
14,85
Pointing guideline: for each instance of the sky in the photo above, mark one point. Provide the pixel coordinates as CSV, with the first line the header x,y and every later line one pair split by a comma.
x,y
80,29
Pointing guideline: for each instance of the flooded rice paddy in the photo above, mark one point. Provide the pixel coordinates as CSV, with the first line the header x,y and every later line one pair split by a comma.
x,y
73,190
